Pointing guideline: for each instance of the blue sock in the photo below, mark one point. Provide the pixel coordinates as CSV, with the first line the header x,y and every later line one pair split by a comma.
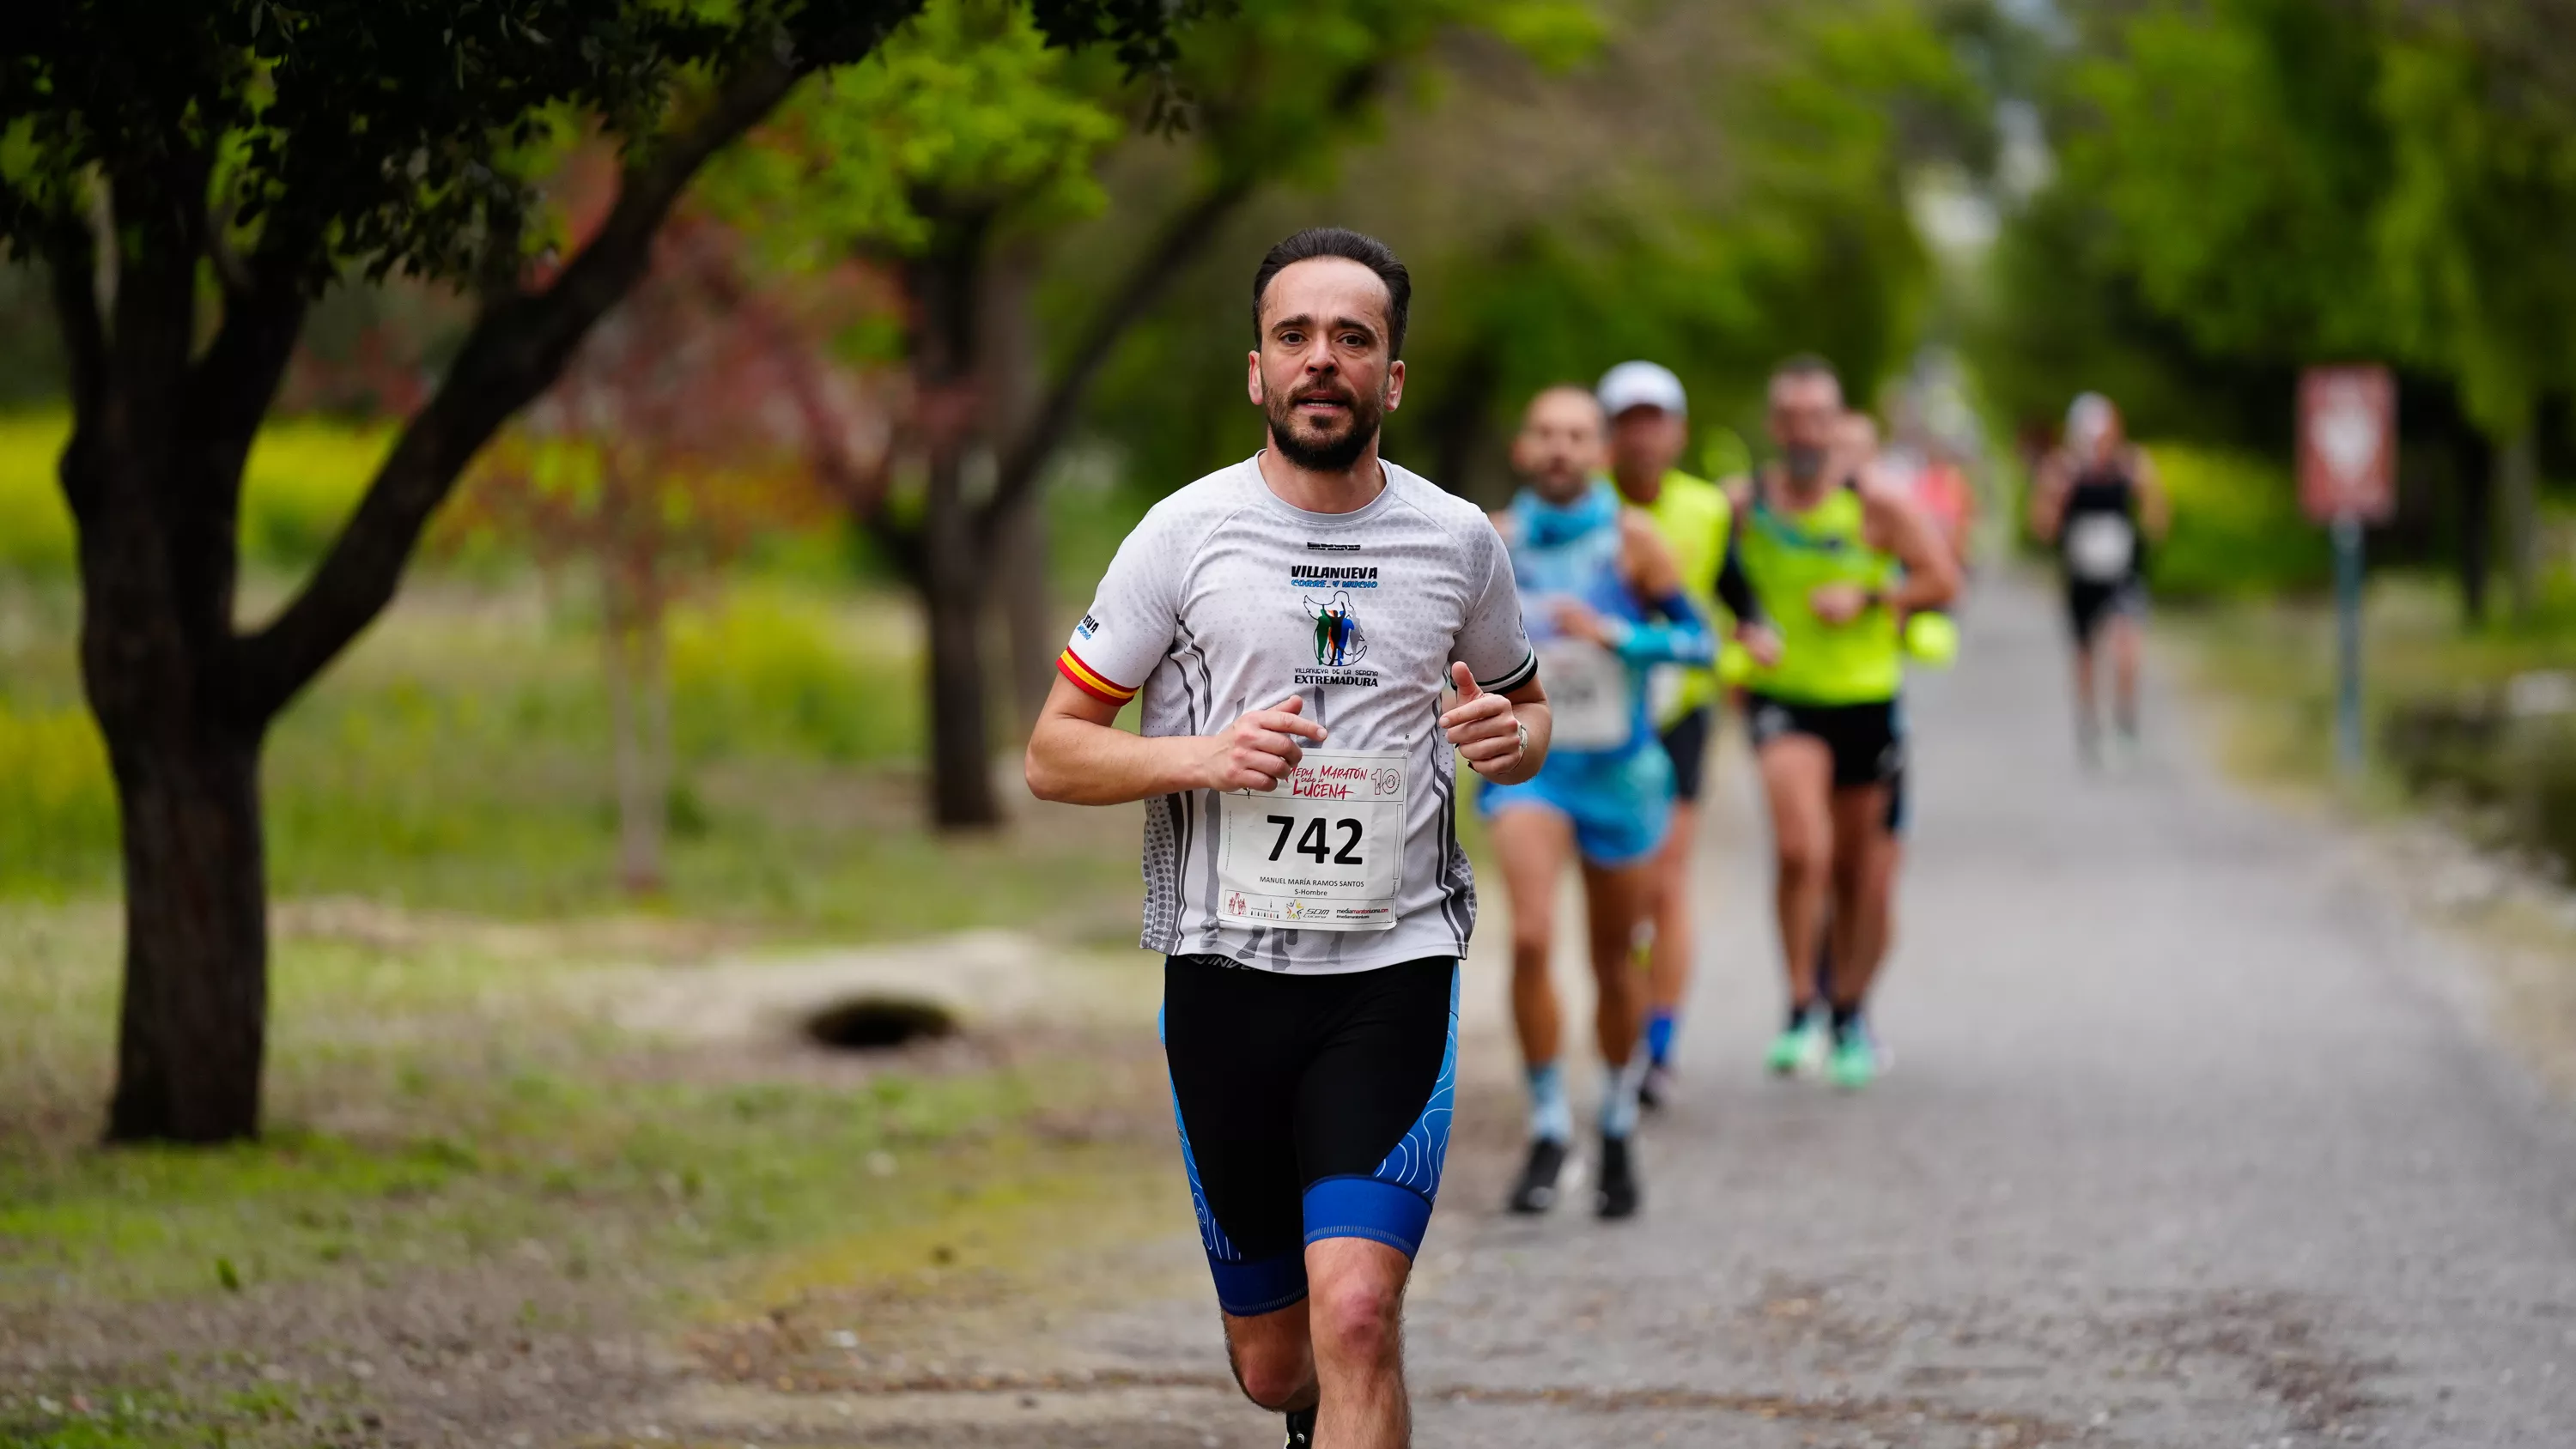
x,y
1619,1096
1551,1112
1660,1026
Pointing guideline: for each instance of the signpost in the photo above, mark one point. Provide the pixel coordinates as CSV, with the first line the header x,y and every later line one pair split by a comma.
x,y
2348,477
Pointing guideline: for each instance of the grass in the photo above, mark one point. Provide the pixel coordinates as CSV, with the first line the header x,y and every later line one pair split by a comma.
x,y
448,1105
2424,677
456,760
428,1101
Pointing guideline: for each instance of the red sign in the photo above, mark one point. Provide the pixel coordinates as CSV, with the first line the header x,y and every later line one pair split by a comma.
x,y
2348,443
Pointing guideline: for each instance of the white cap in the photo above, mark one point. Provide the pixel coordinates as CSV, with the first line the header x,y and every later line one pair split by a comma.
x,y
1640,385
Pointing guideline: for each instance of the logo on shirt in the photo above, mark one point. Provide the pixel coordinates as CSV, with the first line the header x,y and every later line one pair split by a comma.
x,y
1332,576
1088,627
1332,547
1339,640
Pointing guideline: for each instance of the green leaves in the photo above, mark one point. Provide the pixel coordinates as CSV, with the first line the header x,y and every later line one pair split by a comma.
x,y
966,111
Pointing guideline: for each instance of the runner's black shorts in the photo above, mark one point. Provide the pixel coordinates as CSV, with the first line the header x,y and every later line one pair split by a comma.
x,y
2088,604
1686,745
1867,740
1310,1107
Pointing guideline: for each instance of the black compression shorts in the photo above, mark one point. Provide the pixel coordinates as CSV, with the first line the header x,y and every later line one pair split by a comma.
x,y
1867,740
1686,745
1310,1107
2089,604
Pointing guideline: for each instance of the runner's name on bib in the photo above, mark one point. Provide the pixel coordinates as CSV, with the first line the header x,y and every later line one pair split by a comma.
x,y
1323,850
2099,546
1587,696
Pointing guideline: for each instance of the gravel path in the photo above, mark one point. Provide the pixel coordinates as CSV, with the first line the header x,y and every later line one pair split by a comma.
x,y
2193,1140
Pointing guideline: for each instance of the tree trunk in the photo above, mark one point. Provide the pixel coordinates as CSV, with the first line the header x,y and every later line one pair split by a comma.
x,y
2518,493
953,586
2473,471
191,1030
945,292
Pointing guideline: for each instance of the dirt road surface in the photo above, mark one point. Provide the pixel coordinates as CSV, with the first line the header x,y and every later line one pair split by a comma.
x,y
2193,1140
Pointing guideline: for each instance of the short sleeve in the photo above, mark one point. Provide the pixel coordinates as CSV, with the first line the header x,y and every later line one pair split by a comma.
x,y
1130,624
1492,643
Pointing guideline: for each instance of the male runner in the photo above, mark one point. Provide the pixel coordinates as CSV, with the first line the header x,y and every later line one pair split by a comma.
x,y
1649,429
2095,496
1290,622
1593,577
1838,556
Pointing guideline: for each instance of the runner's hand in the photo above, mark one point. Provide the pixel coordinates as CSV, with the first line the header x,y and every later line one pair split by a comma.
x,y
1261,747
1481,725
1838,603
1762,642
1576,620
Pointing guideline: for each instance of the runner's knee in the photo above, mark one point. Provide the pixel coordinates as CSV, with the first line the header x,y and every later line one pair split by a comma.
x,y
1805,856
1273,1374
1357,1322
1533,933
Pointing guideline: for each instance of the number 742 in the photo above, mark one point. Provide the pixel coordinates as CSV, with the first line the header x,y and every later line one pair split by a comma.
x,y
1316,841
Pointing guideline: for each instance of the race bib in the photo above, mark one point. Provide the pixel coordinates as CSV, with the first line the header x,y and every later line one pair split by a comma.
x,y
1323,850
2099,547
1587,696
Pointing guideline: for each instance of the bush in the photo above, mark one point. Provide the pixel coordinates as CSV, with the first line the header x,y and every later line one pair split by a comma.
x,y
303,479
35,530
2237,529
763,671
57,803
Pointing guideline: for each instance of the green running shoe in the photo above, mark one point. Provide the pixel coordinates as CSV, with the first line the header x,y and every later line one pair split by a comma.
x,y
1799,1049
1854,1064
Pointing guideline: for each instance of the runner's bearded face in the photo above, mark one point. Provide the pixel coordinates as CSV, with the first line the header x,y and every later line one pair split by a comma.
x,y
1806,412
1558,448
1323,375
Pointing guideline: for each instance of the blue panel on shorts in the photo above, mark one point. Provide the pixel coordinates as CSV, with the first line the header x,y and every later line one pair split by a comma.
x,y
1364,1207
1249,1289
1416,1161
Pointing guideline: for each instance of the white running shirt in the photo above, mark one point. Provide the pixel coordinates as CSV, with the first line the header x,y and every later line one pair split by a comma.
x,y
1227,599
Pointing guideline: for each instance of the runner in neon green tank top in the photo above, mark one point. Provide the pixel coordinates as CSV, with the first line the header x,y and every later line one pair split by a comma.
x,y
1838,555
1648,431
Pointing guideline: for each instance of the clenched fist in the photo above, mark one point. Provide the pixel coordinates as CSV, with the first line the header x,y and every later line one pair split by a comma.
x,y
1489,738
1260,748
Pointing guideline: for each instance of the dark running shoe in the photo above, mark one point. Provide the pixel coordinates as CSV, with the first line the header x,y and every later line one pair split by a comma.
x,y
1617,1195
1536,1191
1656,1088
1301,1429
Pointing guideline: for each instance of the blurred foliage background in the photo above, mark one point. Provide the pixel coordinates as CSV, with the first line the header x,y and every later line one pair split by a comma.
x,y
1019,283
979,288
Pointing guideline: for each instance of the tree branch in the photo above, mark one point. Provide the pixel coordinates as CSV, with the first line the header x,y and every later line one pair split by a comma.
x,y
1183,237
517,348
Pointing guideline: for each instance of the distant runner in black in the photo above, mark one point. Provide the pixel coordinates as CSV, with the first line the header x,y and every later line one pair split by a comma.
x,y
2097,502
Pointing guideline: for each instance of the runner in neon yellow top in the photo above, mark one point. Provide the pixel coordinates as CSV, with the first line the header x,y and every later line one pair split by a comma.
x,y
1837,555
1648,431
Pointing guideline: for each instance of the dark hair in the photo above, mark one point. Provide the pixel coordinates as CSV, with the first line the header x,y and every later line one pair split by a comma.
x,y
1334,241
1806,364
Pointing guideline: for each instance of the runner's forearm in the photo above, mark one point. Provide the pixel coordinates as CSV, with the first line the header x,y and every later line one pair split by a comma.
x,y
1077,762
1682,638
1735,586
